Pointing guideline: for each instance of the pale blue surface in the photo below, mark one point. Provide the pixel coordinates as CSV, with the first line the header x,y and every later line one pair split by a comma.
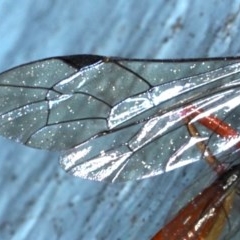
x,y
38,200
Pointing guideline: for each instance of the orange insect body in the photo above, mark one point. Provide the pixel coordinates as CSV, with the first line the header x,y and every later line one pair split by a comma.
x,y
204,216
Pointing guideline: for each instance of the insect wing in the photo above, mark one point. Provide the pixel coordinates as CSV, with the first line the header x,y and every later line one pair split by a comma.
x,y
116,119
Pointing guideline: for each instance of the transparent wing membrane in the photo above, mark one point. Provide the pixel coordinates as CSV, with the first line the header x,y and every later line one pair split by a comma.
x,y
118,119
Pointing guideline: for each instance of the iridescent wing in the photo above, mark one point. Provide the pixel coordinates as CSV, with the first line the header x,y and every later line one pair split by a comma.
x,y
118,119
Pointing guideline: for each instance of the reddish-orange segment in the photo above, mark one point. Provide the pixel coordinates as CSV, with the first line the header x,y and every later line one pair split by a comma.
x,y
211,122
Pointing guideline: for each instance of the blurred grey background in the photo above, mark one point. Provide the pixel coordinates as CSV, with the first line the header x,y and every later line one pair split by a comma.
x,y
38,200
